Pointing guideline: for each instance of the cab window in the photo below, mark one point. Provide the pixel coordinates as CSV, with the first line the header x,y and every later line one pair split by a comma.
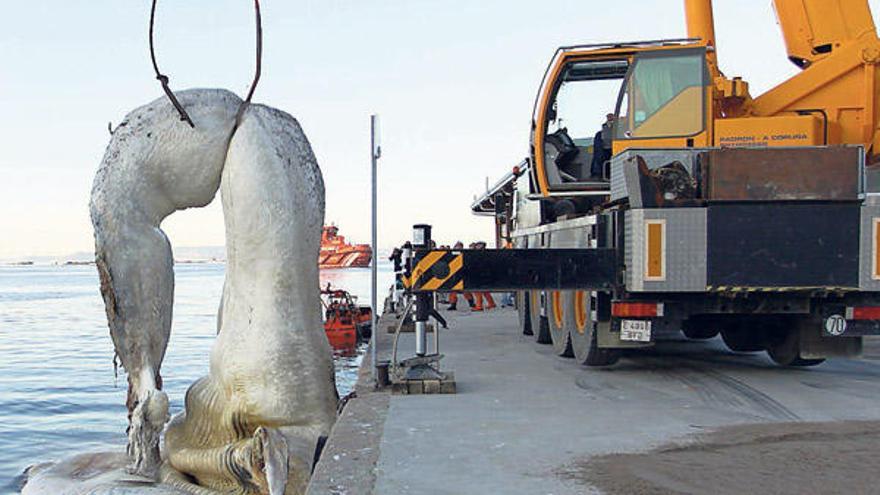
x,y
579,119
664,96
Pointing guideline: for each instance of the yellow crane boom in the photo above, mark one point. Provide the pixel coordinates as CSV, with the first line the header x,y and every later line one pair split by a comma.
x,y
835,44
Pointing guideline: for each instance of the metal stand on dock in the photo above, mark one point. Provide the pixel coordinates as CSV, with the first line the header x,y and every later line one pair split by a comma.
x,y
421,374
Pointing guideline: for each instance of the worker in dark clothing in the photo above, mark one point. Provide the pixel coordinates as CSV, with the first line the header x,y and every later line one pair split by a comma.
x,y
602,148
395,258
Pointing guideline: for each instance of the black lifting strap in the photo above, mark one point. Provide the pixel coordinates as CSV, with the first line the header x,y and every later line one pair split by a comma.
x,y
163,79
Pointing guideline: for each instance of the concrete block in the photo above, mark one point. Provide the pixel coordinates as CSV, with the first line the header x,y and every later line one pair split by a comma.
x,y
432,386
408,328
415,387
399,388
447,388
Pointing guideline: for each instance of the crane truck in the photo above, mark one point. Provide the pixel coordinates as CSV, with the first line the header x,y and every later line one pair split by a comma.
x,y
695,207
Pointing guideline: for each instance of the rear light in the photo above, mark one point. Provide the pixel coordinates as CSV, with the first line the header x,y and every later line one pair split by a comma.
x,y
863,313
637,309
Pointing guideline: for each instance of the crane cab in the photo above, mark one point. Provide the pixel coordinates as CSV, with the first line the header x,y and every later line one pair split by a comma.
x,y
596,102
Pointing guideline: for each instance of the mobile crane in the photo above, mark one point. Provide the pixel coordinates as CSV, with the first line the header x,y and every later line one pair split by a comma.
x,y
696,207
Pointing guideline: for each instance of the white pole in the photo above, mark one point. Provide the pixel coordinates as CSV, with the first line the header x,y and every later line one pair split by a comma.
x,y
375,153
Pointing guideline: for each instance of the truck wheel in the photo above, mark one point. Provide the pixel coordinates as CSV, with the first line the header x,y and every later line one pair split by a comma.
x,y
783,347
560,314
699,333
522,311
742,339
584,340
540,327
699,328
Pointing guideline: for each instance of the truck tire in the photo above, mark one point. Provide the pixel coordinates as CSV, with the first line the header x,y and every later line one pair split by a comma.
x,y
560,316
739,338
700,333
540,327
522,312
584,340
699,329
784,347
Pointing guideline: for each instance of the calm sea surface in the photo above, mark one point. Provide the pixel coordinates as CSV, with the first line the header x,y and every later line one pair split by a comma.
x,y
59,394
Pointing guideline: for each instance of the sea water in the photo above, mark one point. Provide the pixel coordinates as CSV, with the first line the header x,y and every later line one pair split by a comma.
x,y
60,392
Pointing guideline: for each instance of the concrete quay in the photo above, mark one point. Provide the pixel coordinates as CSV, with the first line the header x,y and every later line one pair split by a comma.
x,y
525,421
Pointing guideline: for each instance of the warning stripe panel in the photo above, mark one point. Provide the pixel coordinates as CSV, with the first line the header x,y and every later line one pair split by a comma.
x,y
454,267
426,262
434,269
738,289
455,282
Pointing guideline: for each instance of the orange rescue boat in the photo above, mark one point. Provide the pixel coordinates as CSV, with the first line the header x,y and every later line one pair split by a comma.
x,y
345,322
336,253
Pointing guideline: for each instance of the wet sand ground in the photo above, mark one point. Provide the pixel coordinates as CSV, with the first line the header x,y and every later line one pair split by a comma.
x,y
781,458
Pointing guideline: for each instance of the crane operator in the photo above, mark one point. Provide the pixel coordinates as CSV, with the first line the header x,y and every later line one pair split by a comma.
x,y
602,147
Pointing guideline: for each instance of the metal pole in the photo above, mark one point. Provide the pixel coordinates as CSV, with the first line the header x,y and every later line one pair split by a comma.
x,y
422,305
375,153
422,240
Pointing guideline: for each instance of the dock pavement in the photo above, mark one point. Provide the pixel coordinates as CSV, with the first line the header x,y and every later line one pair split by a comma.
x,y
684,417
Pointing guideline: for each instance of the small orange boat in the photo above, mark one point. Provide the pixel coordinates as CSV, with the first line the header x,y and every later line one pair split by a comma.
x,y
345,322
336,253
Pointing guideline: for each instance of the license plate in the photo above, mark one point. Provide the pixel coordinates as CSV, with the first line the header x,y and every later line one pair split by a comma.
x,y
635,330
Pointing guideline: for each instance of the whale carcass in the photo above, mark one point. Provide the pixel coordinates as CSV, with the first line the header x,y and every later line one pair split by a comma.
x,y
253,424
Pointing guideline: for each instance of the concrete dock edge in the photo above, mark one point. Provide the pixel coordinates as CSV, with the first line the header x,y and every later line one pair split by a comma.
x,y
348,462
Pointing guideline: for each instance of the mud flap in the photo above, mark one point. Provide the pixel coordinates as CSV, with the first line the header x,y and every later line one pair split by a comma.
x,y
814,345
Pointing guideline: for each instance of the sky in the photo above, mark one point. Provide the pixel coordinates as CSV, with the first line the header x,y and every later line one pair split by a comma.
x,y
453,82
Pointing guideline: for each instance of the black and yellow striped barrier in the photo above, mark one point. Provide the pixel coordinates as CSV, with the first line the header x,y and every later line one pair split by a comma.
x,y
511,269
437,271
731,289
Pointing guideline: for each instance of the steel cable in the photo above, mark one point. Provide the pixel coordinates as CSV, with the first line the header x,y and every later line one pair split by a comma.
x,y
163,79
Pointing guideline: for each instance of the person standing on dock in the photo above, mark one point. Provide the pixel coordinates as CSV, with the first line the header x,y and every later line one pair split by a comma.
x,y
442,297
396,259
453,296
507,298
396,289
481,296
